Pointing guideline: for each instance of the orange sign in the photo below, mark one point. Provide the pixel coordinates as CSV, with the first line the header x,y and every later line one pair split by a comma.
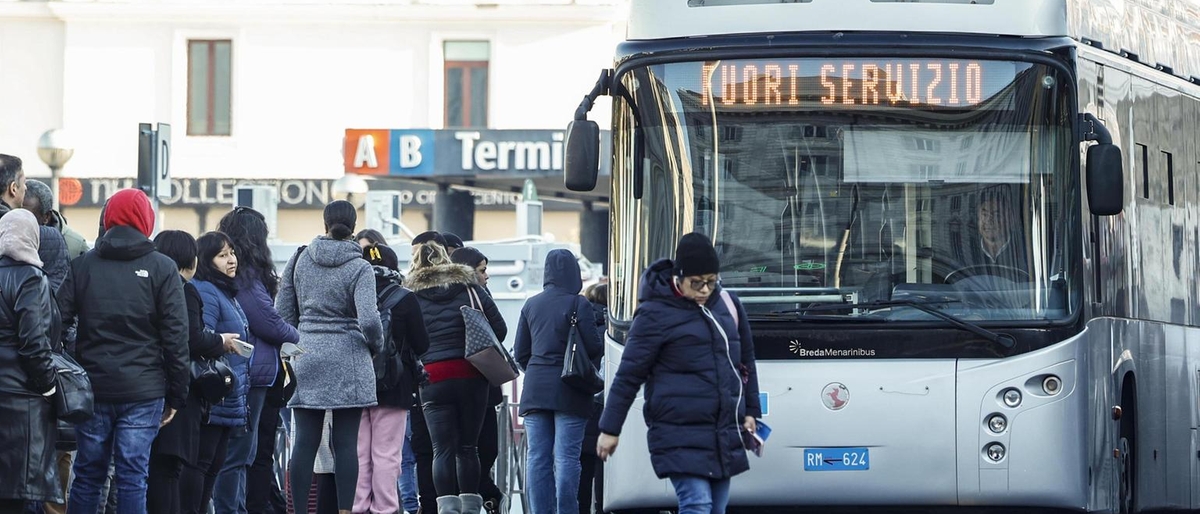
x,y
367,151
70,191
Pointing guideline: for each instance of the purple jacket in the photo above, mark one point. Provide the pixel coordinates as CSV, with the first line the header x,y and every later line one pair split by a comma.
x,y
267,329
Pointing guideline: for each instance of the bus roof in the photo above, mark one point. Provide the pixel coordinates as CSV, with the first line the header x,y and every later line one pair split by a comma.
x,y
1155,32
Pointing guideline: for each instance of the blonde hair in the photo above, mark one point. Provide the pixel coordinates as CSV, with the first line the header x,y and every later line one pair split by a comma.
x,y
429,254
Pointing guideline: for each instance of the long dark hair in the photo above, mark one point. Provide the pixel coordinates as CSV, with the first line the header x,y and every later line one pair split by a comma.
x,y
247,228
209,245
468,255
371,235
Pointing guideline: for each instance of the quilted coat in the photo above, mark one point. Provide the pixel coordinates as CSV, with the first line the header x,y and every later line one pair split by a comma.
x,y
693,372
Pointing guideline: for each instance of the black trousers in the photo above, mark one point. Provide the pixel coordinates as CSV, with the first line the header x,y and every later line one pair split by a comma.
x,y
454,411
163,484
422,447
196,481
344,440
12,506
262,487
592,467
591,482
489,449
327,493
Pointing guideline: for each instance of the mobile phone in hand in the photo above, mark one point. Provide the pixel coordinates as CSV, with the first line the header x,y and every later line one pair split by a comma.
x,y
243,348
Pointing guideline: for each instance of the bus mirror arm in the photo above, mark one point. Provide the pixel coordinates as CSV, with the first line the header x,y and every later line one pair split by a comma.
x,y
1095,129
581,167
602,87
1104,172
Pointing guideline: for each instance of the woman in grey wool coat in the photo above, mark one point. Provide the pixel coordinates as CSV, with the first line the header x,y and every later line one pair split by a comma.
x,y
328,293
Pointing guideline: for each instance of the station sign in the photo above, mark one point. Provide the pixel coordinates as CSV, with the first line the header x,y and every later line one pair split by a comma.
x,y
454,152
293,193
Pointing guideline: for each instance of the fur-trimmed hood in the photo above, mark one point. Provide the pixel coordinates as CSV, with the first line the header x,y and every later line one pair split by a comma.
x,y
440,277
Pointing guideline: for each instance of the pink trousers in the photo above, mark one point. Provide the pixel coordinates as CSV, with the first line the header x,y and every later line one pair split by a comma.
x,y
380,441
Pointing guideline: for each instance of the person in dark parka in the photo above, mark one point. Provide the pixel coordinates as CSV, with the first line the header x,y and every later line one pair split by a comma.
x,y
454,396
489,447
591,477
697,364
134,349
178,443
29,329
555,413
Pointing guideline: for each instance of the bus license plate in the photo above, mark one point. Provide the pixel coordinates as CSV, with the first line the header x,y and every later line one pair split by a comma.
x,y
836,459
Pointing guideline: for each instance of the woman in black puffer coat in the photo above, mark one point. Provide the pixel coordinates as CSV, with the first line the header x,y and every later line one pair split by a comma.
x,y
697,363
454,397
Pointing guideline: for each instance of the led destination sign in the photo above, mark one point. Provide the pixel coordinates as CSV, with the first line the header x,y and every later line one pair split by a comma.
x,y
853,82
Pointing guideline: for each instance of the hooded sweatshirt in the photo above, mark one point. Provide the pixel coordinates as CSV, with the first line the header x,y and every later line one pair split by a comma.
x,y
542,335
129,208
128,299
328,294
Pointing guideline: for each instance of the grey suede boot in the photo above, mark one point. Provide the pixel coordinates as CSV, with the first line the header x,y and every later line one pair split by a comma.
x,y
471,503
449,505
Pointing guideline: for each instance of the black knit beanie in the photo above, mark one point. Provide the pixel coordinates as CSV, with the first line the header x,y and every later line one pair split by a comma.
x,y
695,256
425,237
381,255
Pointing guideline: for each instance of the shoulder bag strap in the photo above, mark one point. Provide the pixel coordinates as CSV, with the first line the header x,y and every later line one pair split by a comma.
x,y
728,300
295,292
474,299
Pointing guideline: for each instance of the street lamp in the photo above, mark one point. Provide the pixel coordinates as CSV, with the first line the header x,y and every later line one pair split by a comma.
x,y
352,187
55,149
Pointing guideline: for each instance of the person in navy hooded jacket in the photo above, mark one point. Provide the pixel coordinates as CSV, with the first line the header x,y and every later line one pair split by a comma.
x,y
555,413
696,359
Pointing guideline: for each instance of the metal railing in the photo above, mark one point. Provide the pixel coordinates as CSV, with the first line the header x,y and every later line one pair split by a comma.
x,y
510,463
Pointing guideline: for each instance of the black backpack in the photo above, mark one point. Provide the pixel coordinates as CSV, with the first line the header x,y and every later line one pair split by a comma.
x,y
389,365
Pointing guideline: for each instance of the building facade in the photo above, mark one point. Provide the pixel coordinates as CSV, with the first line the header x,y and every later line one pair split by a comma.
x,y
265,90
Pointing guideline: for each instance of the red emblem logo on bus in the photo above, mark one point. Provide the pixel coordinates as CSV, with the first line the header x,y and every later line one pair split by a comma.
x,y
835,396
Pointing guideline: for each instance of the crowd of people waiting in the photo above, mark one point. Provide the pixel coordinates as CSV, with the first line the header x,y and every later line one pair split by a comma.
x,y
389,416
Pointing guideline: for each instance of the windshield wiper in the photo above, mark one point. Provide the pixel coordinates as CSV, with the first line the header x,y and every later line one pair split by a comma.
x,y
927,307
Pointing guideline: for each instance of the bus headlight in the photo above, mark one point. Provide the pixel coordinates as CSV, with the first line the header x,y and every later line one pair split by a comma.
x,y
995,452
1051,385
997,423
1012,398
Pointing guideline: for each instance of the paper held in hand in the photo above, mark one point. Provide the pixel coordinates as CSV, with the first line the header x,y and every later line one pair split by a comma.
x,y
757,441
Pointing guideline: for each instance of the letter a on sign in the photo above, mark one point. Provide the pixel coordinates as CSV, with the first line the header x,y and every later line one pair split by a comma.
x,y
366,152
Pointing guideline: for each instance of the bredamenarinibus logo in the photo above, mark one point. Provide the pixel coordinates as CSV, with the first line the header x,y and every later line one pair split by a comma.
x,y
797,348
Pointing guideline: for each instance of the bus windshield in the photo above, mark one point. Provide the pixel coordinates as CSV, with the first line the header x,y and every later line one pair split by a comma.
x,y
853,181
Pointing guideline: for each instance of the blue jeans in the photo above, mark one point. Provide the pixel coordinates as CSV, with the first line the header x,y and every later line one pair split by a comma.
x,y
699,495
553,469
408,473
122,432
229,491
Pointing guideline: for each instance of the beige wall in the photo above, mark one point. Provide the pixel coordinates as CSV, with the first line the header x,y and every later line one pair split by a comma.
x,y
301,225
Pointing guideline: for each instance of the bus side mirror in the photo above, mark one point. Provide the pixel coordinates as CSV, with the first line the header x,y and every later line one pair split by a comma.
x,y
1105,183
582,164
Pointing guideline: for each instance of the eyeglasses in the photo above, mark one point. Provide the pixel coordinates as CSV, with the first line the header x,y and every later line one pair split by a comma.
x,y
698,285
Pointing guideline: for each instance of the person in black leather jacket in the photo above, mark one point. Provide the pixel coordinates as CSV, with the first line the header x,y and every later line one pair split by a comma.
x,y
27,336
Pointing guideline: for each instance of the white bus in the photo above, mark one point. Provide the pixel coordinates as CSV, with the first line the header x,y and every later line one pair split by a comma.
x,y
967,233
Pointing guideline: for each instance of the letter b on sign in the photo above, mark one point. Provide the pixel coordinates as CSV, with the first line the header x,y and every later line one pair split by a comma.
x,y
410,151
